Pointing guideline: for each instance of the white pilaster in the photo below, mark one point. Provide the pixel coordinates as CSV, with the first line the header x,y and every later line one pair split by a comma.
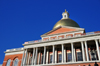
x,y
36,56
72,50
47,57
62,53
97,47
53,58
83,52
23,58
87,55
33,56
44,54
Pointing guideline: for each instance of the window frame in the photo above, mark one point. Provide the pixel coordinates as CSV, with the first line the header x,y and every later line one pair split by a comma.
x,y
14,61
51,58
79,56
59,58
67,57
9,60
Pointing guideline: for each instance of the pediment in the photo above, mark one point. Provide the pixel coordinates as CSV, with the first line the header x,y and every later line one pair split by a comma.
x,y
62,29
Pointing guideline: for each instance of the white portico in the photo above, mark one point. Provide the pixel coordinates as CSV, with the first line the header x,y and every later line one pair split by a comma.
x,y
66,43
65,50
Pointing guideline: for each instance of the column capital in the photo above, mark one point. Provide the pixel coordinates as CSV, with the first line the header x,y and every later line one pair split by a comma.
x,y
72,43
96,39
82,41
85,41
44,46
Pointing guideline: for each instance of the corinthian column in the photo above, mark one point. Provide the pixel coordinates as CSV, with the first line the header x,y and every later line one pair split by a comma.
x,y
62,53
83,52
36,56
87,55
44,55
72,50
33,56
97,47
53,58
25,58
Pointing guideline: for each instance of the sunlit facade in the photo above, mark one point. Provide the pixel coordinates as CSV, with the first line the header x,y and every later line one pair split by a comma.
x,y
65,45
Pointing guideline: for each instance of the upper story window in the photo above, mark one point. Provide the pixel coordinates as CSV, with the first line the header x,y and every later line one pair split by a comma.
x,y
69,36
30,61
93,55
60,57
50,58
60,37
69,57
46,39
53,38
8,62
79,56
15,62
77,35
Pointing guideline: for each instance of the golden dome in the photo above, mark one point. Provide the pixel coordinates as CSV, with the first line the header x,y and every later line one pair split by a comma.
x,y
66,22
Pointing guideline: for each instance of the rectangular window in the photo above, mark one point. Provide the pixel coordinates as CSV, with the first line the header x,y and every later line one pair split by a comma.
x,y
69,36
50,58
79,56
93,55
60,57
69,56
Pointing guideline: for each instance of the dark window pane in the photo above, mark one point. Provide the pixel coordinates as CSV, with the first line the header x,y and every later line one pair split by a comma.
x,y
60,57
69,56
50,58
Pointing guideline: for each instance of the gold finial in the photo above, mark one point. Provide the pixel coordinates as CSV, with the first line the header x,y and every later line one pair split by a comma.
x,y
65,11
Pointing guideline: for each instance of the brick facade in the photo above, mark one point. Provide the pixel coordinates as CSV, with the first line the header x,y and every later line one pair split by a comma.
x,y
12,57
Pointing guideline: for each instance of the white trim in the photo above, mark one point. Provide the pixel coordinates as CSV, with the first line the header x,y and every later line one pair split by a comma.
x,y
13,53
79,62
63,41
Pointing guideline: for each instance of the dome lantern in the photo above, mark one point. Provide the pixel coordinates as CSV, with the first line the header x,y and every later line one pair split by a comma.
x,y
65,15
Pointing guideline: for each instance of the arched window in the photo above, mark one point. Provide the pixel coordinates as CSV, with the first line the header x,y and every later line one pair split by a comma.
x,y
8,62
15,62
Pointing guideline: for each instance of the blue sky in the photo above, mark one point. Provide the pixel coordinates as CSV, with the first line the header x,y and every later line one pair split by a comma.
x,y
26,20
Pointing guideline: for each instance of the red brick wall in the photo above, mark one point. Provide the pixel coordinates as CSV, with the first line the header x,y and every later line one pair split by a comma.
x,y
12,57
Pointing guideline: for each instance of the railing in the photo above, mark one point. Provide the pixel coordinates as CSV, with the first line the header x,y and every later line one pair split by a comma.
x,y
89,33
15,49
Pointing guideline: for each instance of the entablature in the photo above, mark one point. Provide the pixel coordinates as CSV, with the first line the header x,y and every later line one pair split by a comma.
x,y
63,41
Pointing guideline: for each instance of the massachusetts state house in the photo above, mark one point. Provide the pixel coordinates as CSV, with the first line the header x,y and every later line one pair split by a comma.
x,y
65,45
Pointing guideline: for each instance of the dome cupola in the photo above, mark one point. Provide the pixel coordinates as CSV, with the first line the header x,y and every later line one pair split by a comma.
x,y
66,21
